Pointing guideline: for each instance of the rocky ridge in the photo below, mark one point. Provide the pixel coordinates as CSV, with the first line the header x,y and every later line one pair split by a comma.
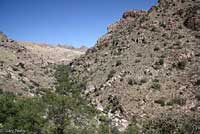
x,y
146,65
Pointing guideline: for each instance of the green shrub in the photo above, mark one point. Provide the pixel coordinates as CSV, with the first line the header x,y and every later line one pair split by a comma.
x,y
156,80
156,86
159,63
132,129
21,113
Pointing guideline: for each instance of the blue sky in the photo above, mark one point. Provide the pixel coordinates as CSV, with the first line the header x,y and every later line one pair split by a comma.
x,y
75,22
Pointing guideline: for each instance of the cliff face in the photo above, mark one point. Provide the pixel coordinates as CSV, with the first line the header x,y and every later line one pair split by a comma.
x,y
147,64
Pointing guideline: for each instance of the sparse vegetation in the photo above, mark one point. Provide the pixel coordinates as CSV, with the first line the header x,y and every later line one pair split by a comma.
x,y
142,81
118,63
161,61
111,74
177,100
156,86
137,60
197,82
197,94
132,129
156,49
139,55
130,81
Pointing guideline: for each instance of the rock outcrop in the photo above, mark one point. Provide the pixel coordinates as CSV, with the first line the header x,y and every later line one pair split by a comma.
x,y
127,18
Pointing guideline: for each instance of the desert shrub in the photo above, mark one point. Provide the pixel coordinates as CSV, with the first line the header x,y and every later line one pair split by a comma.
x,y
118,63
156,49
197,83
142,81
132,129
173,124
139,55
197,94
104,128
130,81
67,85
181,65
177,100
155,80
111,74
137,60
156,86
161,61
1,91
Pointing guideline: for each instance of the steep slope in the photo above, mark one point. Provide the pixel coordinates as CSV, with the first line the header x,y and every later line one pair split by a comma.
x,y
147,64
27,68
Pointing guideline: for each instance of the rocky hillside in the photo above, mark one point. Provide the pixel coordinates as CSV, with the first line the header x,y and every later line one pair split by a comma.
x,y
147,64
27,68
